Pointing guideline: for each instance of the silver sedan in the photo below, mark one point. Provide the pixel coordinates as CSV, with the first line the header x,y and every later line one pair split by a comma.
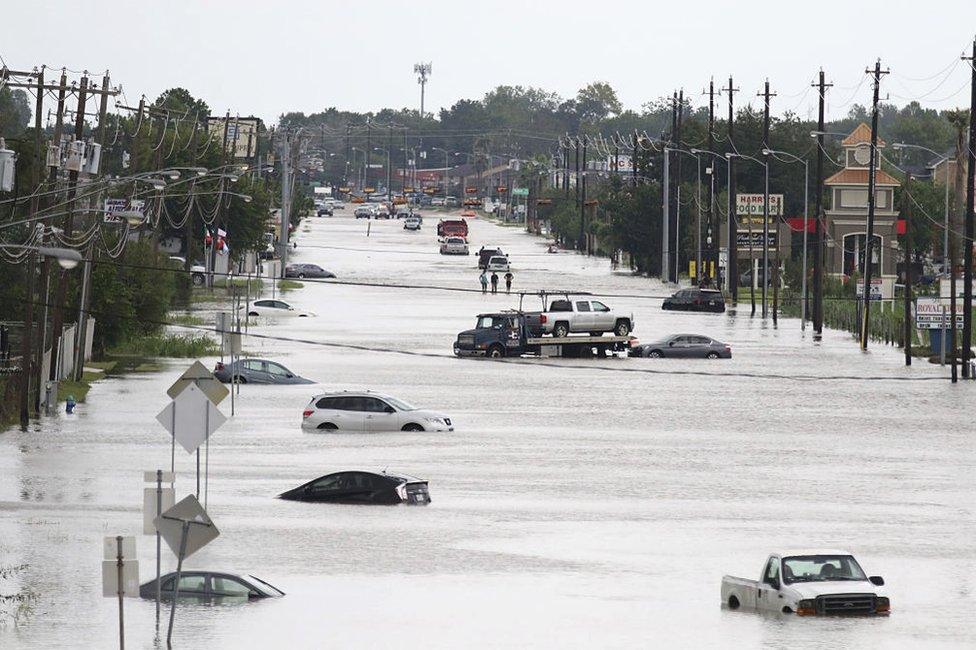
x,y
683,346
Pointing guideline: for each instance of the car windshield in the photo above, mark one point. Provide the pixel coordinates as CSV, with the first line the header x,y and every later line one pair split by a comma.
x,y
400,404
821,568
271,588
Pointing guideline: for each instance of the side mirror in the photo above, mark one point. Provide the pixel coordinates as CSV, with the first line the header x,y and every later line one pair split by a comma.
x,y
389,409
877,581
774,583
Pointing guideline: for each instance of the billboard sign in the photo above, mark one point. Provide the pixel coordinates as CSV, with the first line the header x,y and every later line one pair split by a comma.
x,y
876,292
752,205
934,314
114,206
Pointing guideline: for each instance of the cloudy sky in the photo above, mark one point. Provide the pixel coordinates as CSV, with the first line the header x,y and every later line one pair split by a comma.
x,y
272,56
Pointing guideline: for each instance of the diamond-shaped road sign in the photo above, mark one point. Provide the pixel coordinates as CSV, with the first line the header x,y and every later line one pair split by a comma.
x,y
200,532
204,380
191,418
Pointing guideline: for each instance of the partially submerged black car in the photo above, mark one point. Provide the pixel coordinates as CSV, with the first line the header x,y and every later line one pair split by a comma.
x,y
696,300
211,585
362,488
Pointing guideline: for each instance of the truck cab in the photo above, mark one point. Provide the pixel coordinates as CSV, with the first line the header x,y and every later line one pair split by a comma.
x,y
495,335
809,583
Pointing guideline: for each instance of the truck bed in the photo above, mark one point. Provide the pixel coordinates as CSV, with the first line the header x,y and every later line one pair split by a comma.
x,y
577,340
743,589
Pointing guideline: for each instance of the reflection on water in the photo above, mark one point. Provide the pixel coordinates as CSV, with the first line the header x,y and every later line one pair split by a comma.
x,y
576,505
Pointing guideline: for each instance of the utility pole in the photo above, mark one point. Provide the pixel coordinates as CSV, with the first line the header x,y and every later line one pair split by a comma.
x,y
389,177
368,155
284,147
869,239
666,216
711,254
818,225
667,227
967,247
732,248
677,187
633,162
58,315
765,142
576,183
582,230
907,211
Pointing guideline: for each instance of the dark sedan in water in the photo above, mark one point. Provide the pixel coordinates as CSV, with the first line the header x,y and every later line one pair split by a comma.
x,y
302,271
683,346
211,585
257,371
362,488
696,300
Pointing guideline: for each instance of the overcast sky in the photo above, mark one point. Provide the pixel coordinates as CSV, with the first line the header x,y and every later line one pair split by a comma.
x,y
273,56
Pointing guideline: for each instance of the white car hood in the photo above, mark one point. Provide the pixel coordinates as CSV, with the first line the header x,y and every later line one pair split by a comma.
x,y
425,413
814,589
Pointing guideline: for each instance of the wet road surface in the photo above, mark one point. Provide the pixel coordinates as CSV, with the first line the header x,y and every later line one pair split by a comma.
x,y
579,503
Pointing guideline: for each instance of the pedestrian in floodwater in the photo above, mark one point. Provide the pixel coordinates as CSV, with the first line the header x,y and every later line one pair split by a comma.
x,y
484,281
494,282
508,282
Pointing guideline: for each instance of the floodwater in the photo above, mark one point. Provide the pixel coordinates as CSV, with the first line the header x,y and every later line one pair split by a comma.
x,y
579,504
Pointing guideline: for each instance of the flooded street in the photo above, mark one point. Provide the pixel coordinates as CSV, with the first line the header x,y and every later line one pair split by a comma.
x,y
579,502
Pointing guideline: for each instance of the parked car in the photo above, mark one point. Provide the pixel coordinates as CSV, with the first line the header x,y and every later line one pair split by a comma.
x,y
685,346
438,201
383,488
486,253
268,307
307,271
454,246
198,272
257,371
710,300
452,202
363,212
347,411
211,585
411,223
566,316
498,263
809,583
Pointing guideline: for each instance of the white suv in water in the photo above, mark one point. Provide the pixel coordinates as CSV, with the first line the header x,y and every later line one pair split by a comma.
x,y
347,411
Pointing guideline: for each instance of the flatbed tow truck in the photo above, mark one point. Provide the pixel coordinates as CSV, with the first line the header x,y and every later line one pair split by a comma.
x,y
514,333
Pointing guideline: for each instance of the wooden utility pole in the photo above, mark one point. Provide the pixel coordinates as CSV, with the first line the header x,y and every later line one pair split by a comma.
x,y
765,248
967,247
907,212
818,224
731,263
712,238
869,238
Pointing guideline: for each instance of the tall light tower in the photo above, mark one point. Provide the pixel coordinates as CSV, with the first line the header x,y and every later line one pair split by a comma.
x,y
422,70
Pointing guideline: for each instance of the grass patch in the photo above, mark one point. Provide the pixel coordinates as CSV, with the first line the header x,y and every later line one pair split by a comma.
x,y
79,389
187,319
168,345
288,285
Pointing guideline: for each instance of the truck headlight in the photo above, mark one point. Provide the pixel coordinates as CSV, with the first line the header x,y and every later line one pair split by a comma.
x,y
806,607
882,605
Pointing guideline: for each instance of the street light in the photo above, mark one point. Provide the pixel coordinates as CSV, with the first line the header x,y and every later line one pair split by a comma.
x,y
942,158
806,203
67,258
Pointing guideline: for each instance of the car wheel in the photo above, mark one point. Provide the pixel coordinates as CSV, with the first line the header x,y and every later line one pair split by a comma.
x,y
301,276
413,426
239,380
655,354
560,330
496,352
327,426
197,280
733,602
252,313
622,328
712,355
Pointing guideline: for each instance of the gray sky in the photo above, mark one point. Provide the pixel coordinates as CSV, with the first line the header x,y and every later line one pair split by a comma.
x,y
272,56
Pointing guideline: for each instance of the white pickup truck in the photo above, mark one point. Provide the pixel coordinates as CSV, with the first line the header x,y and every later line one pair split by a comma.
x,y
809,583
583,315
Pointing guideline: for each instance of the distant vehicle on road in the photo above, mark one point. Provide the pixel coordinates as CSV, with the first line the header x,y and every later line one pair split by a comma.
x,y
198,272
363,212
452,202
267,307
307,271
338,204
348,411
324,211
454,246
583,315
411,223
382,212
452,228
710,300
467,213
257,371
211,585
383,488
809,583
517,333
486,253
498,263
404,213
683,346
438,201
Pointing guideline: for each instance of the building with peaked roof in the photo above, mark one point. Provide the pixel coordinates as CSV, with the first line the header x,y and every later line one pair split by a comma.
x,y
846,220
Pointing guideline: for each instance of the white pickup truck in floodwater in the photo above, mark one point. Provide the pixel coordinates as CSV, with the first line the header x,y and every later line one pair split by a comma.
x,y
809,583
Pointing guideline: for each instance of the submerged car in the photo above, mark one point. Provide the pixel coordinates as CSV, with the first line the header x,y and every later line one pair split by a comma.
x,y
302,271
348,411
211,585
411,223
683,346
696,300
454,246
374,488
257,371
267,307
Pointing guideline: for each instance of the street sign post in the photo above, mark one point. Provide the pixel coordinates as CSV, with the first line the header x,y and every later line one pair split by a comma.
x,y
120,574
203,379
190,418
877,290
187,528
155,501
